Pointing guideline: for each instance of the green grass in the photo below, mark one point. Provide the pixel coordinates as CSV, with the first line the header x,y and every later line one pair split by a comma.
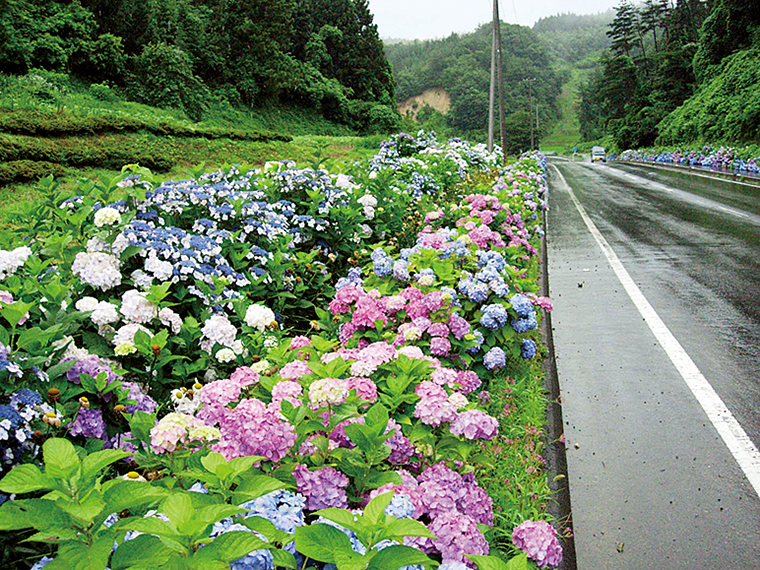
x,y
53,124
566,133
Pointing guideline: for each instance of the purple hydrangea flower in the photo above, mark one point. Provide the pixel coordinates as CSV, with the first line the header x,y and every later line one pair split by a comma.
x,y
144,403
539,540
89,423
440,346
324,487
457,535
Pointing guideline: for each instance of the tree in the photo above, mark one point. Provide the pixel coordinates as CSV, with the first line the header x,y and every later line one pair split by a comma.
x,y
623,28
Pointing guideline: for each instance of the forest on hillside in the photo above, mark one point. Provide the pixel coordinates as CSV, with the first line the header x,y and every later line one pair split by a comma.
x,y
322,54
461,65
677,72
572,38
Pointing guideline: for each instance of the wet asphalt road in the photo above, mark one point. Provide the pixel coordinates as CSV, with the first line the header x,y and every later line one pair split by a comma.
x,y
652,484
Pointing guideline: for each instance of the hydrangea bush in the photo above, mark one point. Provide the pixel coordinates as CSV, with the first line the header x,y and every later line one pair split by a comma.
x,y
264,352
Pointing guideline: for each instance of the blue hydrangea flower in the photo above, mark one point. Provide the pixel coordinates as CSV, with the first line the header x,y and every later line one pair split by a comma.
x,y
401,507
522,305
494,316
401,270
479,338
494,358
383,267
528,349
525,325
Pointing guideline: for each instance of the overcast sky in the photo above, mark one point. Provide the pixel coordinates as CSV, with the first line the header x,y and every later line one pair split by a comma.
x,y
424,19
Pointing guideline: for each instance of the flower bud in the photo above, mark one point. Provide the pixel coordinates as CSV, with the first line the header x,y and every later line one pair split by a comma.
x,y
119,409
255,358
38,437
156,349
54,394
315,325
197,386
84,402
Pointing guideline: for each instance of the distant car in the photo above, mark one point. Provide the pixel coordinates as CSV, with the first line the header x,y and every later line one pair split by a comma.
x,y
598,154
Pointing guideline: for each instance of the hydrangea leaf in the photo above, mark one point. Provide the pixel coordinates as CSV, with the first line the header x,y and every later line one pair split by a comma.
x,y
24,479
321,541
395,557
144,550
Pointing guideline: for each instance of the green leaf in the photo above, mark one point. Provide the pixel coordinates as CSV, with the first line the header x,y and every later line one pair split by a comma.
x,y
236,544
61,459
144,549
493,563
24,479
213,461
126,495
258,486
376,507
14,312
85,510
93,463
407,527
341,516
377,479
377,417
395,557
283,559
350,560
320,541
149,525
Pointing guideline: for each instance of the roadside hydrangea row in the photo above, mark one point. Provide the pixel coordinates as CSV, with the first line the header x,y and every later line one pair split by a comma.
x,y
166,341
741,160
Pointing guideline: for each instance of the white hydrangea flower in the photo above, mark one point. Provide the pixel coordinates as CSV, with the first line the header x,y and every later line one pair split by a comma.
x,y
136,308
124,348
368,201
97,269
71,351
458,400
259,317
161,270
86,304
141,279
218,329
104,314
126,334
225,355
107,217
170,319
10,261
260,366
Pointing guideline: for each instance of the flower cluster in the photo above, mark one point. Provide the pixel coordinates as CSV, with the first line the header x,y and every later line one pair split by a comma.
x,y
176,429
10,261
539,540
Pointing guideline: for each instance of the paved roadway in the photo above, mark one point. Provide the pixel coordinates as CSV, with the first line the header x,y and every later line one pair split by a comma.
x,y
653,484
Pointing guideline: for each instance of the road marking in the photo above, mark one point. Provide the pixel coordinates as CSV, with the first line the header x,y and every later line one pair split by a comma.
x,y
735,438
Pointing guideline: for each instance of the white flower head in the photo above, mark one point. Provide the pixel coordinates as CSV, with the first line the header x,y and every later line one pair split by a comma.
x,y
259,317
107,217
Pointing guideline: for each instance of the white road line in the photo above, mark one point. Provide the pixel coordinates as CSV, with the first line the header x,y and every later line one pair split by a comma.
x,y
739,444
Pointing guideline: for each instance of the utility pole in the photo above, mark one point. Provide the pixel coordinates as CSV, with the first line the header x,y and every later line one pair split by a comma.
x,y
496,67
492,91
530,110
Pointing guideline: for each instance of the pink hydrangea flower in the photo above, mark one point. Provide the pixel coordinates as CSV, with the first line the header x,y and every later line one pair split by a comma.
x,y
474,424
539,540
295,370
289,390
220,393
299,342
434,407
253,429
468,380
244,376
365,388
